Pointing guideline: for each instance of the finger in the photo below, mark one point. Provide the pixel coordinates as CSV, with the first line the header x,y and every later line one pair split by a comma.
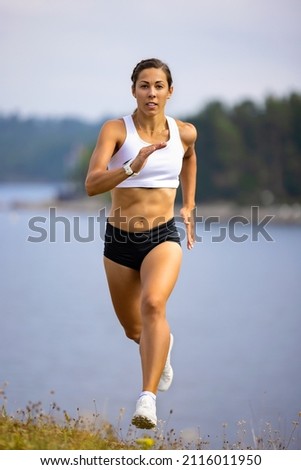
x,y
190,245
190,238
149,150
158,146
186,219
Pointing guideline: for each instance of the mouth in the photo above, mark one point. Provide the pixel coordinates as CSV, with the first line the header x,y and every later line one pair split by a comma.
x,y
151,105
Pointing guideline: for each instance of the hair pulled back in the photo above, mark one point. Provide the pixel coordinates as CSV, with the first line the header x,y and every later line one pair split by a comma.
x,y
151,64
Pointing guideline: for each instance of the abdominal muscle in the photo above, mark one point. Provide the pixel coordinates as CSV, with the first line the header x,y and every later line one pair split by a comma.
x,y
141,209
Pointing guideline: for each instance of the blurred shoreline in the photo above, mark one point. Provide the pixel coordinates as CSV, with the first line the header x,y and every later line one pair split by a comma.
x,y
223,211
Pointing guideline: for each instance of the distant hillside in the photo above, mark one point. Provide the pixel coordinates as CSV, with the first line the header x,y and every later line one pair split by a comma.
x,y
249,153
42,149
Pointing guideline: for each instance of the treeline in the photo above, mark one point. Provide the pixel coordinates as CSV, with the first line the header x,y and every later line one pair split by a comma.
x,y
42,149
250,153
247,153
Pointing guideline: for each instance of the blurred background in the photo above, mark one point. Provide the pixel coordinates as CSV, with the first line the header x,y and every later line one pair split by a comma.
x,y
235,313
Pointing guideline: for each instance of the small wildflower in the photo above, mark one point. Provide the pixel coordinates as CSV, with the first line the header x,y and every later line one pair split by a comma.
x,y
145,442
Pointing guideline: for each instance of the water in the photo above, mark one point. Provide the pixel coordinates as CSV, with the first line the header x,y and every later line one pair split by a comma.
x,y
235,315
11,193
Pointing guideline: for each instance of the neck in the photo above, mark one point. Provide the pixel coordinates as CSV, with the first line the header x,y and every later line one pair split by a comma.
x,y
153,125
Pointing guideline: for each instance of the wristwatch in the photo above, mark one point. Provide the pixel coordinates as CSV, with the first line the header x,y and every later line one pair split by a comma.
x,y
128,170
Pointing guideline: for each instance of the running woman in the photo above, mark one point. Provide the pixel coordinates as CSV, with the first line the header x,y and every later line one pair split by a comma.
x,y
141,159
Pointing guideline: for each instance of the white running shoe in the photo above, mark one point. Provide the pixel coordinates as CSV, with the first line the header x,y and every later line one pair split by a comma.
x,y
145,414
167,374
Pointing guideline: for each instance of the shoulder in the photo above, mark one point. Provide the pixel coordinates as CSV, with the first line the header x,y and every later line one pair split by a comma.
x,y
188,132
113,129
113,125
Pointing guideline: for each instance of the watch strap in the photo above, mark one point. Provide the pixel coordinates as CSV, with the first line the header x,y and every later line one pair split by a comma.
x,y
127,168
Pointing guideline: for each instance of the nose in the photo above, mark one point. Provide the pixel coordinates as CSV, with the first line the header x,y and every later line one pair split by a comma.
x,y
152,92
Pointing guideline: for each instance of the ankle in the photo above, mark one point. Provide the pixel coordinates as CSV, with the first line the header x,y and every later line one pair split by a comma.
x,y
147,393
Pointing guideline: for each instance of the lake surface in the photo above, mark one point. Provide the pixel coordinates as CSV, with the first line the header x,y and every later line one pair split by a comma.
x,y
235,315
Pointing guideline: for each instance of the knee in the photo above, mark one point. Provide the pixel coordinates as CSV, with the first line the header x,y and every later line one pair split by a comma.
x,y
152,305
133,334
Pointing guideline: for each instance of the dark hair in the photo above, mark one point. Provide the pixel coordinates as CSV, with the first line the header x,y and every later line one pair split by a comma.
x,y
151,64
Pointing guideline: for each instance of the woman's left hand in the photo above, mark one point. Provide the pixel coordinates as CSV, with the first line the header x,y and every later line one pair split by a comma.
x,y
188,219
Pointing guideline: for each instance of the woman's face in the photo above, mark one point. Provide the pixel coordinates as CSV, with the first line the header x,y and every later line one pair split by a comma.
x,y
151,91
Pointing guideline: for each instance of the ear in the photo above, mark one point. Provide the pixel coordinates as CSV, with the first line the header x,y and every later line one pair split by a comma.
x,y
133,91
170,92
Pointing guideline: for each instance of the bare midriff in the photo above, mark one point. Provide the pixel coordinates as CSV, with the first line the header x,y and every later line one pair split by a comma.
x,y
141,209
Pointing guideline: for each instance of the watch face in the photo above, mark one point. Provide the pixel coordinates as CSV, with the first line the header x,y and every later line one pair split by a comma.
x,y
128,170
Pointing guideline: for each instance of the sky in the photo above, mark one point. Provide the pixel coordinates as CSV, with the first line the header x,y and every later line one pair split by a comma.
x,y
74,58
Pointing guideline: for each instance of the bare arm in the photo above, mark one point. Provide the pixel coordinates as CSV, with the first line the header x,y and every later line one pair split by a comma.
x,y
188,180
99,179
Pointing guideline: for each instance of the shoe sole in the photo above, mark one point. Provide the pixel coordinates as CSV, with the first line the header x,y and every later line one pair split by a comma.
x,y
142,422
164,388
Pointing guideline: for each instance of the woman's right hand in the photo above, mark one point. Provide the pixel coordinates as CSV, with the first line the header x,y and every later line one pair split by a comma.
x,y
139,162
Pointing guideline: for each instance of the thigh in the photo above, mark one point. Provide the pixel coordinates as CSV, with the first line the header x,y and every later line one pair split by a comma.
x,y
125,289
160,270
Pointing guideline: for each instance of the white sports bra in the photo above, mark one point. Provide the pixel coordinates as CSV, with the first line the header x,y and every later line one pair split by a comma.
x,y
163,166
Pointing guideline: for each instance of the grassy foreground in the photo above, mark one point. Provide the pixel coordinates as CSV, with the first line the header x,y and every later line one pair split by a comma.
x,y
33,429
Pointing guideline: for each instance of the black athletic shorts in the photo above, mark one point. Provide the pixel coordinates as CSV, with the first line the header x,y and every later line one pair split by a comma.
x,y
130,248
